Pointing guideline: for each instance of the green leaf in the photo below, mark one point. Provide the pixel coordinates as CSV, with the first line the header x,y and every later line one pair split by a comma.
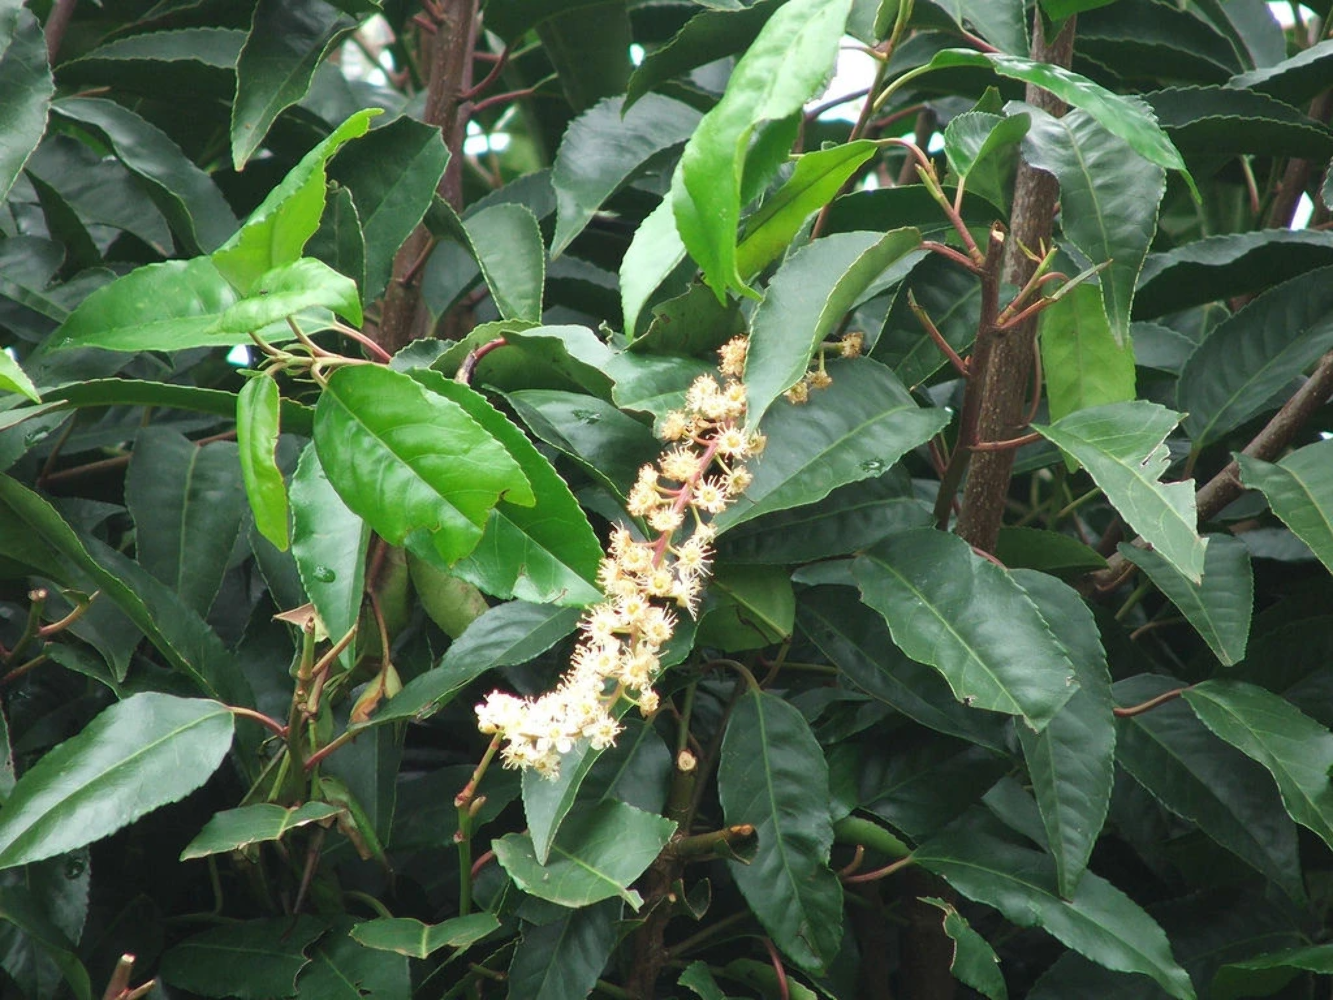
x,y
136,756
1084,363
541,553
763,979
1048,551
508,246
779,72
339,241
285,45
1300,489
805,303
1072,761
706,37
25,80
277,231
234,829
982,150
392,174
603,149
14,379
969,619
770,774
271,952
1203,780
342,969
1001,23
329,547
853,430
257,439
1108,201
187,502
142,392
951,297
589,47
654,253
1255,977
1122,445
1228,121
192,204
751,607
699,979
286,290
1138,37
596,855
199,61
1219,608
816,179
1250,357
564,958
974,961
505,635
1297,751
1100,921
1295,80
417,940
406,460
25,916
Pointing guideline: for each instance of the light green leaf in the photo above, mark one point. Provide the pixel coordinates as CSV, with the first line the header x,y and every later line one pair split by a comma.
x,y
805,303
25,80
286,43
816,179
136,756
1108,200
1297,751
564,958
596,855
14,379
1251,357
1100,921
974,962
654,253
769,774
406,460
603,149
277,231
508,246
1300,489
780,71
417,940
1220,607
968,618
1122,445
982,150
1084,363
286,290
855,429
234,829
257,427
271,951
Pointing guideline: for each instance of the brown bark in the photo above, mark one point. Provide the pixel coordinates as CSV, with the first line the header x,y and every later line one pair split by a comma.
x,y
1002,360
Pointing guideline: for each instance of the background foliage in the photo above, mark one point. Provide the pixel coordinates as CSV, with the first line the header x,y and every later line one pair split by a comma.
x,y
335,334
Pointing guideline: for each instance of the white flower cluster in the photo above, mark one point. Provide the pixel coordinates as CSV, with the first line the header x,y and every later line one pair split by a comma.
x,y
617,656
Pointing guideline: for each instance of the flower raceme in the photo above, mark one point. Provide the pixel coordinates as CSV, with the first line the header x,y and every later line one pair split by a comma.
x,y
621,637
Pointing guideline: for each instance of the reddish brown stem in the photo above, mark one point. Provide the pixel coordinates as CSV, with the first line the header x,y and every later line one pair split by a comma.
x,y
784,990
959,364
878,873
264,720
500,63
1150,704
1006,445
469,365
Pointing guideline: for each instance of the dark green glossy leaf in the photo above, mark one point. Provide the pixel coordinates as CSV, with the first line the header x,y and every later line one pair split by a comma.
x,y
329,547
1108,200
751,607
1072,761
1084,362
1048,551
257,440
187,501
805,303
277,231
1293,80
780,71
1300,489
541,553
234,829
853,430
951,297
407,460
1134,38
392,174
184,194
692,323
604,148
1000,22
699,979
982,150
1256,976
1250,357
508,246
1100,921
1230,121
589,47
974,962
138,755
417,940
1297,751
1122,447
286,290
25,917
596,855
141,392
199,61
970,620
25,80
342,969
287,41
339,241
769,774
1220,607
1201,779
565,957
272,953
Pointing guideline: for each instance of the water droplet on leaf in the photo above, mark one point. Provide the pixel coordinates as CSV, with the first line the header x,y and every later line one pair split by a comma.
x,y
324,575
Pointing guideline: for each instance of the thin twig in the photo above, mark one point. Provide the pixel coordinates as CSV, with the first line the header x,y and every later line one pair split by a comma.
x,y
1150,704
